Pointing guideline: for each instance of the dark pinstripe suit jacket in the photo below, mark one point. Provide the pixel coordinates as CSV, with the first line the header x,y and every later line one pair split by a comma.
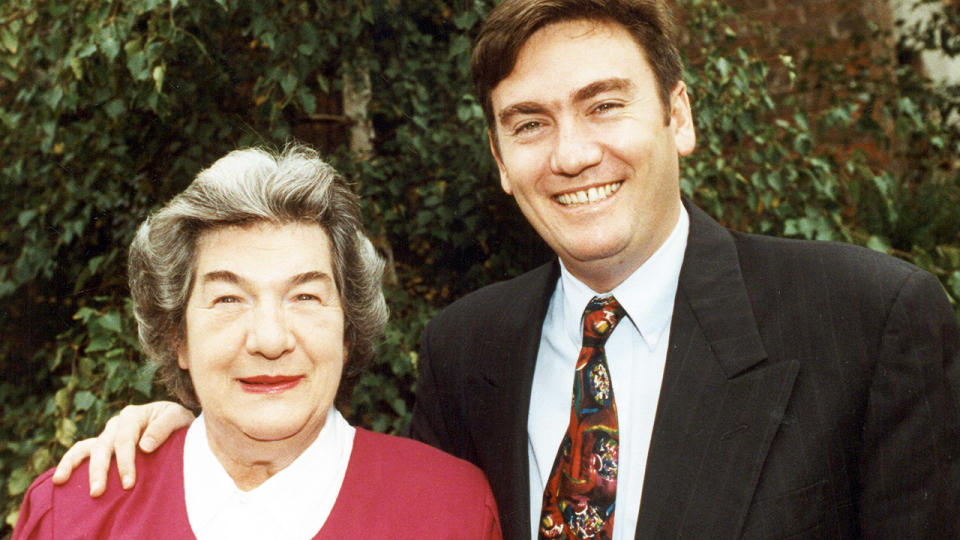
x,y
811,391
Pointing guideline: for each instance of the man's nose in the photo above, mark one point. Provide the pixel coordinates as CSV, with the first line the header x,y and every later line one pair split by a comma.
x,y
576,148
269,334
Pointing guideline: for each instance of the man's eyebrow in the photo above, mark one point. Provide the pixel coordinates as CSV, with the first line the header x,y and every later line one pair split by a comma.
x,y
524,107
606,85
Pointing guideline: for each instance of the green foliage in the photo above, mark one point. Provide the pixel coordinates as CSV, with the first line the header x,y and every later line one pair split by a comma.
x,y
753,168
93,369
108,108
383,395
898,173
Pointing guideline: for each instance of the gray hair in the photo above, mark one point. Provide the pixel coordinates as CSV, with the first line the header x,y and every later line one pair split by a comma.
x,y
245,187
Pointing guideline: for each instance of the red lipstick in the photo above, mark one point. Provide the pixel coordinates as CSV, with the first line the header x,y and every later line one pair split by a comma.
x,y
269,384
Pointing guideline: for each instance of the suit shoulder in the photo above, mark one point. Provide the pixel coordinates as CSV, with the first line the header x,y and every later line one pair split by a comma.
x,y
809,279
801,256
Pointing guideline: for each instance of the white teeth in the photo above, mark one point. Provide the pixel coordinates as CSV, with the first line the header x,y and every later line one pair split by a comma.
x,y
591,195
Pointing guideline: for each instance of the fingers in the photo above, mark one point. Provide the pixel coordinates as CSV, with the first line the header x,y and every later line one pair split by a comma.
x,y
73,458
124,430
146,426
165,418
99,450
121,436
99,454
118,438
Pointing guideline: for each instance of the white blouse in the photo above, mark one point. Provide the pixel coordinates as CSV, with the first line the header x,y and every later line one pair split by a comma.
x,y
292,504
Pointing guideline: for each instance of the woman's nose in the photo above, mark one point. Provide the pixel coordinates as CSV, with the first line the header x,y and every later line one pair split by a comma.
x,y
269,334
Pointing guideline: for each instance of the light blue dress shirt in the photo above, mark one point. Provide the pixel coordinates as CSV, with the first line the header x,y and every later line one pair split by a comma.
x,y
636,355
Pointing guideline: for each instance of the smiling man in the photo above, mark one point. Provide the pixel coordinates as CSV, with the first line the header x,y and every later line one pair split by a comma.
x,y
585,147
665,377
740,387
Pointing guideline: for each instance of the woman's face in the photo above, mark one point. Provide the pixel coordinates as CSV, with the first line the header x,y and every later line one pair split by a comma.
x,y
264,331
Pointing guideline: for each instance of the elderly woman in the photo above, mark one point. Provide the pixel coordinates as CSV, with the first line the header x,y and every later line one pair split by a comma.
x,y
254,290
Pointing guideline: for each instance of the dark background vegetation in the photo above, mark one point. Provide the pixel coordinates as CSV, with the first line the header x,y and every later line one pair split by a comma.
x,y
109,107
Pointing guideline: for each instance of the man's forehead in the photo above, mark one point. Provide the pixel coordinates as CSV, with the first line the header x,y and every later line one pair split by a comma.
x,y
572,60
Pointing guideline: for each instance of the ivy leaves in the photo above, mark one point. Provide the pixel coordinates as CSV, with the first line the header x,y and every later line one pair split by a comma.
x,y
110,107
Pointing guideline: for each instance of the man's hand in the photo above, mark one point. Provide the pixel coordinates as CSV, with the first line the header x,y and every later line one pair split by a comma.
x,y
151,423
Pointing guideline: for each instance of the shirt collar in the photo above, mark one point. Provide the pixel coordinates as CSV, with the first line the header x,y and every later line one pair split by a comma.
x,y
647,294
285,497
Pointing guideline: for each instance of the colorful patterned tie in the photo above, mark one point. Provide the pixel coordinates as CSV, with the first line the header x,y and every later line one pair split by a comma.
x,y
579,498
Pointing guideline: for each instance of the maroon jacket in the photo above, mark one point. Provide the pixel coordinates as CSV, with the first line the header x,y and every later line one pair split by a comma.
x,y
393,488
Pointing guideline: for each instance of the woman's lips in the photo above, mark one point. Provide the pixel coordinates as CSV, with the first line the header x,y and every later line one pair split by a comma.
x,y
269,384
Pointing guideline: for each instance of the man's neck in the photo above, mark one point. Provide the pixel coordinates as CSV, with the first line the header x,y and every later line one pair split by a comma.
x,y
604,275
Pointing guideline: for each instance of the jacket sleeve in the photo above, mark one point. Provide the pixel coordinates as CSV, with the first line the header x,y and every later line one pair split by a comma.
x,y
434,412
910,467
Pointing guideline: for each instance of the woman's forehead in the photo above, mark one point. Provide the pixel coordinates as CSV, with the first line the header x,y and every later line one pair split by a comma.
x,y
265,251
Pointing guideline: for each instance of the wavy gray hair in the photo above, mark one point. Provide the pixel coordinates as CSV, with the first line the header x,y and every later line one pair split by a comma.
x,y
244,187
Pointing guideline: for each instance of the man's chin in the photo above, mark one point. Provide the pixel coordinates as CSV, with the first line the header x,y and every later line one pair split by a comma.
x,y
592,253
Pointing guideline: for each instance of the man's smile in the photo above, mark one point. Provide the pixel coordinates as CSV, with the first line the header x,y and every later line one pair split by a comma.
x,y
589,195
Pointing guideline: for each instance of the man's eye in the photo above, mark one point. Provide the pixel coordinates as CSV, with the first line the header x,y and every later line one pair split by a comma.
x,y
526,127
604,107
305,297
226,300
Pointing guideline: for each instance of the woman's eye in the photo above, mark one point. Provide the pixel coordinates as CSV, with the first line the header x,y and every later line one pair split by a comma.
x,y
226,300
305,297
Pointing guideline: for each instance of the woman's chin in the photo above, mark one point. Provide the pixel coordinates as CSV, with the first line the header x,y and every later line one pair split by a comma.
x,y
272,434
271,431
275,430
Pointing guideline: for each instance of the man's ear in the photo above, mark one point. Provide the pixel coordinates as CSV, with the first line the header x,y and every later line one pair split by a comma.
x,y
681,120
504,181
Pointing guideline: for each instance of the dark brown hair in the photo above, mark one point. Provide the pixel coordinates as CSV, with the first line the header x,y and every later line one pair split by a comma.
x,y
511,24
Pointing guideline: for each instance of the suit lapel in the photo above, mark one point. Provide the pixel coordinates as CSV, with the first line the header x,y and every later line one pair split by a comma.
x,y
720,403
500,391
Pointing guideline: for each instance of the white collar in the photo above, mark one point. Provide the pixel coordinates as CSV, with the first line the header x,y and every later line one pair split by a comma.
x,y
293,503
646,295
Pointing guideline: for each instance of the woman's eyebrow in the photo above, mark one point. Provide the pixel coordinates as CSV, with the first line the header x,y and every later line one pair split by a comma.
x,y
305,277
223,275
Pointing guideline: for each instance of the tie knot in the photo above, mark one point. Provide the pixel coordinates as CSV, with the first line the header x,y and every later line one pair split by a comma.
x,y
601,317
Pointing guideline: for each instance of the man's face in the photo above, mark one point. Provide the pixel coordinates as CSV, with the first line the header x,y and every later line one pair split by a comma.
x,y
582,145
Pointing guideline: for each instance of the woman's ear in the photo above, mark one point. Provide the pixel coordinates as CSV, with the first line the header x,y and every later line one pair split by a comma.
x,y
182,359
